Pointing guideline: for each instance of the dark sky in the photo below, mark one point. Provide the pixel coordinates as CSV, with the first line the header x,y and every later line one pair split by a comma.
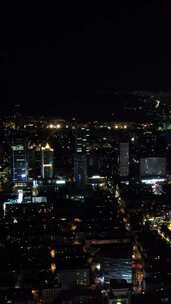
x,y
71,59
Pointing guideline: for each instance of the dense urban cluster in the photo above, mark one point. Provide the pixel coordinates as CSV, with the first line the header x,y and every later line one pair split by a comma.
x,y
85,206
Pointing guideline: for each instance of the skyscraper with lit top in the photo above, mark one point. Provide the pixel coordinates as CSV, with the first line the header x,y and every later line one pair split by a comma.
x,y
41,160
19,161
47,161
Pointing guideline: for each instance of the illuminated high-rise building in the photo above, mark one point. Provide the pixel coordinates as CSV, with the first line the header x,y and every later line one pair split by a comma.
x,y
19,161
153,169
80,168
41,159
82,140
124,159
47,161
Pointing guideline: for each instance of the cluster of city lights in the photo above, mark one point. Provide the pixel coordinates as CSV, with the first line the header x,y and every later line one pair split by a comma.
x,y
54,126
118,126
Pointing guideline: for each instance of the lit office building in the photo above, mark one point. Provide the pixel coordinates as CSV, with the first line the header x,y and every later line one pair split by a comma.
x,y
153,169
82,140
19,162
80,168
47,161
124,160
41,159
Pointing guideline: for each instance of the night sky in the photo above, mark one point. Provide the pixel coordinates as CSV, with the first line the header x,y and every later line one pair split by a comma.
x,y
71,60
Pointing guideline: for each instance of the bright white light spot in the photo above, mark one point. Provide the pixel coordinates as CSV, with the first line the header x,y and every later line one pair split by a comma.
x,y
98,266
118,302
157,103
20,196
96,176
152,181
23,175
61,182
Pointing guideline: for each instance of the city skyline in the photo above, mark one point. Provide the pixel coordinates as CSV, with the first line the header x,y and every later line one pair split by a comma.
x,y
85,153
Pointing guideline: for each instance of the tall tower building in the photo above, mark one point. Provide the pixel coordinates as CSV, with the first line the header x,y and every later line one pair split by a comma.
x,y
19,161
82,140
47,161
41,159
124,160
80,168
